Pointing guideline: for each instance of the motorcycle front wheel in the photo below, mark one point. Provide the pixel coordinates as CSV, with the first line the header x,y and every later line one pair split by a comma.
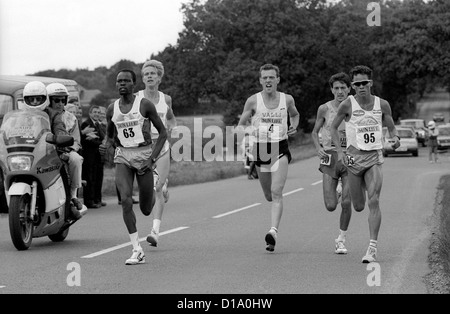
x,y
20,222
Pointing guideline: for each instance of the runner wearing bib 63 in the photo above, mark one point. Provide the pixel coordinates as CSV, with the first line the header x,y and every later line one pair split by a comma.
x,y
128,129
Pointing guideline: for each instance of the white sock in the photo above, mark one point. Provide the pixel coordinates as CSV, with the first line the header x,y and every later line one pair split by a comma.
x,y
342,235
373,243
156,225
73,193
134,237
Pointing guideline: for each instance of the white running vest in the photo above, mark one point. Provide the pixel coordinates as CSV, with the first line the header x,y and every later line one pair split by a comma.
x,y
364,129
270,124
327,142
129,126
162,108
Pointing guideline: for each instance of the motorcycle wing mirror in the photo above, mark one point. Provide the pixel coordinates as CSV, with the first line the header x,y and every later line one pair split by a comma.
x,y
60,140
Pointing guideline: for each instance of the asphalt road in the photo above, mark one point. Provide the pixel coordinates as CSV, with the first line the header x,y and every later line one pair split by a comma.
x,y
213,242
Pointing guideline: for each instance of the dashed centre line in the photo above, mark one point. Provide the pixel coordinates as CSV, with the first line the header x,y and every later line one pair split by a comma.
x,y
118,247
236,210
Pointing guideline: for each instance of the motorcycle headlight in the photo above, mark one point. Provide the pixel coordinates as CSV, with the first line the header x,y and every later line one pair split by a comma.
x,y
20,163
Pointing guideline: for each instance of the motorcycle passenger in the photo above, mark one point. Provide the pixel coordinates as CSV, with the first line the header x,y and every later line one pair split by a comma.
x,y
57,94
35,97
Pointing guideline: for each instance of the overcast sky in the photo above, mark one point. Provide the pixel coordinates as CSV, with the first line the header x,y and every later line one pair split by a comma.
x,y
37,35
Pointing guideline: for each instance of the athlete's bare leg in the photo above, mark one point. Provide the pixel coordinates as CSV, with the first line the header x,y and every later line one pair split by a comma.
x,y
357,191
374,181
329,185
346,205
124,183
146,193
163,167
274,182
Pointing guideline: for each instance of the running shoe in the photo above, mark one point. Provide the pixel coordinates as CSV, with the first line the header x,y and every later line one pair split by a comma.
x,y
152,238
271,240
340,247
371,255
137,257
165,191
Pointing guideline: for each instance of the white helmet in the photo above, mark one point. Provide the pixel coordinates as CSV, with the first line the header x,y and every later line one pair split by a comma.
x,y
57,89
33,90
431,124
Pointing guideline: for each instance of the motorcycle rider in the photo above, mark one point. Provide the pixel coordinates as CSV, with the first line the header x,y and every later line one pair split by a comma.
x,y
57,94
35,97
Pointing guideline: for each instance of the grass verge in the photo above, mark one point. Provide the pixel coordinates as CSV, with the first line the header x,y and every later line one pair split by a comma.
x,y
192,172
438,280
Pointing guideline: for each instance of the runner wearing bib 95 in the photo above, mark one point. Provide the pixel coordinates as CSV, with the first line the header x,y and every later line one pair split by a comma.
x,y
269,111
365,115
332,169
129,121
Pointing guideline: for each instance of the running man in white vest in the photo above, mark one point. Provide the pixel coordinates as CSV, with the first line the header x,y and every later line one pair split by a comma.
x,y
129,129
333,169
269,111
365,115
152,74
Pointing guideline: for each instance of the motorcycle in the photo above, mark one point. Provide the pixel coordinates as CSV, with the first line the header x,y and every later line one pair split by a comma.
x,y
37,183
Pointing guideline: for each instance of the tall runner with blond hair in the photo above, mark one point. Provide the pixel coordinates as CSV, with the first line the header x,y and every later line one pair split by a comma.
x,y
152,74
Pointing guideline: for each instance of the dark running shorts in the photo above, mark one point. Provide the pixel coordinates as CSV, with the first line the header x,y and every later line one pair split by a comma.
x,y
336,169
267,153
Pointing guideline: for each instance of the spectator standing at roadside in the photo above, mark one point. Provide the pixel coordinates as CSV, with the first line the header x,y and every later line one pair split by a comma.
x,y
433,133
93,164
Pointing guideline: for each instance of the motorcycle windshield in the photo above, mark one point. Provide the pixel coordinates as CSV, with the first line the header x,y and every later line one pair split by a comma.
x,y
24,127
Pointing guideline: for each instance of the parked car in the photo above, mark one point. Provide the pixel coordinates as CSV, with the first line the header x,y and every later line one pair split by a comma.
x,y
439,117
419,127
444,136
408,142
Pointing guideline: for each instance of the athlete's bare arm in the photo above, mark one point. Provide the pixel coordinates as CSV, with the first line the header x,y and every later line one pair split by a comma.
x,y
388,121
344,113
320,121
171,120
148,110
294,116
247,113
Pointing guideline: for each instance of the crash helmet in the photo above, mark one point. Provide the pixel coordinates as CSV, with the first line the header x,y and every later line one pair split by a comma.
x,y
431,124
57,89
35,96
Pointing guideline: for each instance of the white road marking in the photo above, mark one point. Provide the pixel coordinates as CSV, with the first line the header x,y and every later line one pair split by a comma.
x,y
236,211
317,183
1,287
117,247
292,192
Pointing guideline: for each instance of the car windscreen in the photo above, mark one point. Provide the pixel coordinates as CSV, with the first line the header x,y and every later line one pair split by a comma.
x,y
405,133
6,104
444,131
